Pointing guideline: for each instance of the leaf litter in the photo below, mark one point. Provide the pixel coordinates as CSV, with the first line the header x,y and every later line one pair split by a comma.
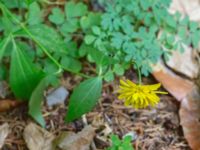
x,y
153,128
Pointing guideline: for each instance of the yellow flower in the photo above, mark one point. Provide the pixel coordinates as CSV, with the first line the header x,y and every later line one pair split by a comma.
x,y
139,96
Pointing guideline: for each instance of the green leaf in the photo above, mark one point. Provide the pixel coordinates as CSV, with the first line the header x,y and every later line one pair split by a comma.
x,y
115,140
7,25
71,64
84,98
36,101
96,30
75,9
145,4
100,58
28,2
83,50
91,20
57,16
3,45
109,76
69,26
195,39
89,39
118,69
14,3
24,76
3,72
34,14
46,36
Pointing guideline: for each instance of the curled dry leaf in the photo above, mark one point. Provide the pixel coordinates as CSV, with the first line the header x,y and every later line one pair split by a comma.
x,y
174,84
184,63
4,131
189,95
79,141
188,7
190,118
38,138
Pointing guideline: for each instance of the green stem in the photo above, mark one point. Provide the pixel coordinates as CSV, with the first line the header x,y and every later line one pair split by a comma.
x,y
37,42
32,37
139,74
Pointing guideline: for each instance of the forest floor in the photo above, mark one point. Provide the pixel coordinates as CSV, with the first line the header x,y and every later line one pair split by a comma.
x,y
152,128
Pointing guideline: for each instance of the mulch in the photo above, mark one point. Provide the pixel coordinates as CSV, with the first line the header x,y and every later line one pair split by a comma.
x,y
152,128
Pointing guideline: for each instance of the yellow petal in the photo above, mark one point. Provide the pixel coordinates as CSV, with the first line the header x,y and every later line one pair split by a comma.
x,y
123,83
152,87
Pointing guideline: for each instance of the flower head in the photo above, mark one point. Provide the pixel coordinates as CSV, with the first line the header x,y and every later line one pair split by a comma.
x,y
139,96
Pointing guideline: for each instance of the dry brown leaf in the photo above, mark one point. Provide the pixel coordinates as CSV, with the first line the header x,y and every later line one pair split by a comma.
x,y
79,141
38,138
184,63
7,104
4,131
187,7
174,84
190,118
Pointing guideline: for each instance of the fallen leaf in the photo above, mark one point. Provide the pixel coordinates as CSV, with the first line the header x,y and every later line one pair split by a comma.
x,y
190,118
38,138
4,131
187,7
79,141
7,104
184,63
175,85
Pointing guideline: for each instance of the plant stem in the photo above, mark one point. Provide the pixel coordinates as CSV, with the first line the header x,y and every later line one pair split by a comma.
x,y
33,38
60,68
139,74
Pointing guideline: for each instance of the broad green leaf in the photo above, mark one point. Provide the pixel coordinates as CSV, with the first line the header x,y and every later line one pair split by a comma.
x,y
75,9
36,101
14,3
57,16
84,98
89,39
30,52
8,26
70,64
34,14
46,36
3,45
1,24
24,76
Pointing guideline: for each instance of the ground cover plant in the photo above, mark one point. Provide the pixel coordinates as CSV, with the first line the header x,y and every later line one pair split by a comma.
x,y
38,47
